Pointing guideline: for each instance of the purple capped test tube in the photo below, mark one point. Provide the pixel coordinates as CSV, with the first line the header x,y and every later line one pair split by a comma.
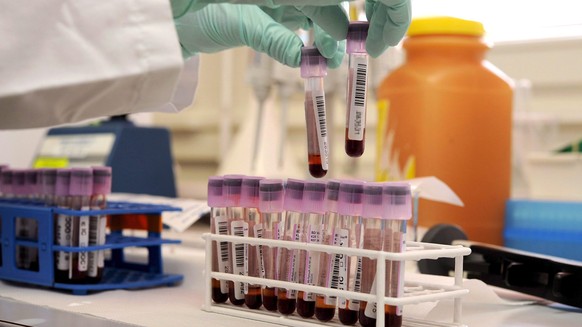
x,y
271,196
313,70
356,93
218,225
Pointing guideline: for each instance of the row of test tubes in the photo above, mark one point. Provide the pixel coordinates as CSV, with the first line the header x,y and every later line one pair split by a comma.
x,y
340,213
313,70
76,189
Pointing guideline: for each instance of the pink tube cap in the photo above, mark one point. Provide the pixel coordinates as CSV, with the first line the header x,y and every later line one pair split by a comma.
x,y
215,196
231,190
332,195
32,181
101,180
373,204
6,177
398,201
63,181
81,181
293,195
250,192
313,64
271,195
19,182
356,38
314,197
350,198
49,181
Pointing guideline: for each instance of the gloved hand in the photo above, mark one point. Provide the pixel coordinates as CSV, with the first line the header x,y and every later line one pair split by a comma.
x,y
180,7
389,20
329,24
217,27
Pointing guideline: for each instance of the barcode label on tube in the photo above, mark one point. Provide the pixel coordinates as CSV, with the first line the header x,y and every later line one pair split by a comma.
x,y
293,269
339,271
83,242
355,304
321,126
240,267
357,114
101,240
221,228
63,238
359,81
312,260
93,239
258,232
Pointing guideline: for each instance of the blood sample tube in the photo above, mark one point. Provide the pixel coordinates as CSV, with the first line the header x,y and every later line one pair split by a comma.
x,y
98,223
313,69
63,225
289,260
396,209
313,208
218,225
255,266
49,183
325,305
237,226
399,210
7,189
81,188
350,209
32,183
25,228
373,227
2,168
271,194
356,88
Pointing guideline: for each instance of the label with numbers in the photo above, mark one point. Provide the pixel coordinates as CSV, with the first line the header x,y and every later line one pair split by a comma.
x,y
83,263
221,228
357,114
318,100
239,252
64,238
339,267
312,260
259,232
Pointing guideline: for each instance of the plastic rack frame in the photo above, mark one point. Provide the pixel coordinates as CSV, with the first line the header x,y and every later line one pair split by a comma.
x,y
413,292
118,273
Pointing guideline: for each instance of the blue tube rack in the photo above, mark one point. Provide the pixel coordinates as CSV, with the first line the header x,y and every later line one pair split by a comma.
x,y
118,273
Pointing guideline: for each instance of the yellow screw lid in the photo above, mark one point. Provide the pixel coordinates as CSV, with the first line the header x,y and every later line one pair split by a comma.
x,y
445,25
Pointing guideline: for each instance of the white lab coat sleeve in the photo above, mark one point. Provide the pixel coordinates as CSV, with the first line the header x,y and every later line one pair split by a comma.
x,y
64,61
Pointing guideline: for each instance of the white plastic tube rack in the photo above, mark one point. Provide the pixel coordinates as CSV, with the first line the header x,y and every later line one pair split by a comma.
x,y
413,292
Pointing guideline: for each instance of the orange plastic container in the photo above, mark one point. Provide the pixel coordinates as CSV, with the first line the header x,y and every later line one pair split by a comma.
x,y
449,116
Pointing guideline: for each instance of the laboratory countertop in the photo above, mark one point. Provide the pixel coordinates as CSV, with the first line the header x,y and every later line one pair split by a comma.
x,y
181,305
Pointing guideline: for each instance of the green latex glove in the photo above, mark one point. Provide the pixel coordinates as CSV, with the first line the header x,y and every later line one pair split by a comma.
x,y
217,27
329,24
389,20
180,7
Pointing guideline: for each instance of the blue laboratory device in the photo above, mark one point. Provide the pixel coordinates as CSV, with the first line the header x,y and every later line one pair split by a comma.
x,y
140,157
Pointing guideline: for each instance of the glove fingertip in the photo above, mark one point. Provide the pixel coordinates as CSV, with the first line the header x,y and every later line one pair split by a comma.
x,y
335,62
293,60
375,48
